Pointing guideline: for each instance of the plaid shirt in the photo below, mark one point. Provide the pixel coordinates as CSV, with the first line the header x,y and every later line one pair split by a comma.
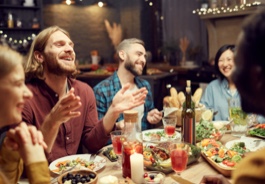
x,y
107,89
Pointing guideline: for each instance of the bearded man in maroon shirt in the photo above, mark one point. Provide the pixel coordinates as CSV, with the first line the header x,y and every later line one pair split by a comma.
x,y
63,108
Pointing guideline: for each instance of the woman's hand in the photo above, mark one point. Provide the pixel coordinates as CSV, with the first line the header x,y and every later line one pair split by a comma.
x,y
28,141
214,179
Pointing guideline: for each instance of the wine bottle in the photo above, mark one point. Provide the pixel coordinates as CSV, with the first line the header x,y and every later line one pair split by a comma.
x,y
188,117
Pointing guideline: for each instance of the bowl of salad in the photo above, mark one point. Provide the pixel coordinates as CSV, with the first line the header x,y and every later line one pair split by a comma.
x,y
206,129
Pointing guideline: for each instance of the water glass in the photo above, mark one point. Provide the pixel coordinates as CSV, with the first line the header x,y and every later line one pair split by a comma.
x,y
238,117
169,123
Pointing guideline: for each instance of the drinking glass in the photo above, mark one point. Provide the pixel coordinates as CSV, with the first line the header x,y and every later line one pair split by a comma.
x,y
117,138
169,123
237,117
179,154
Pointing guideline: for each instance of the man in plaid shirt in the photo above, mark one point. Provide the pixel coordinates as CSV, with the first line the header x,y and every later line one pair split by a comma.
x,y
132,59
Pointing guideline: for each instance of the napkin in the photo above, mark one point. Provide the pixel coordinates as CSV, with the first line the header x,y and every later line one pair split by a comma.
x,y
180,180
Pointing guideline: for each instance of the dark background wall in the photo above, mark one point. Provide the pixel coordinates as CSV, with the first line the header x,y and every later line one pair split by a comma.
x,y
85,22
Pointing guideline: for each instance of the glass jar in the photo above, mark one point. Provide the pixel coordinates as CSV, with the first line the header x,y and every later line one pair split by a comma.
x,y
132,147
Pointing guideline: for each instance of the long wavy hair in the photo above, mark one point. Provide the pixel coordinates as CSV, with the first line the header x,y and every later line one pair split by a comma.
x,y
34,68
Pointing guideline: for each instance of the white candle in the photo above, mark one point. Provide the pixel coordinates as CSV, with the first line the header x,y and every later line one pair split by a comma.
x,y
137,167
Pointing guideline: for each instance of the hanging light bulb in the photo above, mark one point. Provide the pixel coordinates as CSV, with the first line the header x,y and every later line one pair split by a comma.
x,y
68,2
102,3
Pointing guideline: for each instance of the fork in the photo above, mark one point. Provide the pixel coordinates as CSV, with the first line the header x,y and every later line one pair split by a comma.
x,y
257,141
54,180
92,157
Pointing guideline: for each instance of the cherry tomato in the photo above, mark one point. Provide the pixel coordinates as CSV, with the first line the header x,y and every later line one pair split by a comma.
x,y
139,149
152,159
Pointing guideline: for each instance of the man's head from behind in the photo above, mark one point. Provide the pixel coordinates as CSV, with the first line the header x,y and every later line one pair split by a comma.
x,y
132,55
249,75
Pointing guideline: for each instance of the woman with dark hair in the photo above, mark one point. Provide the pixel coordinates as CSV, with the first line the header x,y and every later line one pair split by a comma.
x,y
219,91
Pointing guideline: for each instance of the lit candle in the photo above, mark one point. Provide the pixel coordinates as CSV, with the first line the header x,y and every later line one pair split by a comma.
x,y
137,167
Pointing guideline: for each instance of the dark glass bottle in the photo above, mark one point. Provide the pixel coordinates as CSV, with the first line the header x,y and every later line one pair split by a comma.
x,y
188,118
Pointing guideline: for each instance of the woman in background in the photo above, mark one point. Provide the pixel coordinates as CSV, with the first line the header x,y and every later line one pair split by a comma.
x,y
219,91
22,144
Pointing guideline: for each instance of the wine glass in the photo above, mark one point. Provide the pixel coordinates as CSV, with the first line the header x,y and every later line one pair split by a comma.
x,y
169,123
179,154
117,138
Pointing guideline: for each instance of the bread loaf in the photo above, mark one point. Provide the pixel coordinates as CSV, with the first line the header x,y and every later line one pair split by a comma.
x,y
181,98
197,96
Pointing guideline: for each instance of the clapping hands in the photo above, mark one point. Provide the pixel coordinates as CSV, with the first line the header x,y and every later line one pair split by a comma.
x,y
28,141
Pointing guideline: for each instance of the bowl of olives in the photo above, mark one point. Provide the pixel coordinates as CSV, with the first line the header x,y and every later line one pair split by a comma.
x,y
78,176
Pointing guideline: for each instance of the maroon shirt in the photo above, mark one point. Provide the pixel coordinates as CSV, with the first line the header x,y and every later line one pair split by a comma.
x,y
85,128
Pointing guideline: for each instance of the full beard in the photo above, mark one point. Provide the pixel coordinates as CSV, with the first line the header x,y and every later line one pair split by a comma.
x,y
129,65
58,67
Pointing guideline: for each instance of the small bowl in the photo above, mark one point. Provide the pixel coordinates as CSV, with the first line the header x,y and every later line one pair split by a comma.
x,y
89,173
154,177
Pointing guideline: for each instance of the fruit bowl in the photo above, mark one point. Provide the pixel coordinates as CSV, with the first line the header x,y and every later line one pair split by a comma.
x,y
154,177
83,176
157,158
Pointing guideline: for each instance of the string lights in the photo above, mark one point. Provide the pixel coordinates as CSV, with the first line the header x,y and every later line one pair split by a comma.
x,y
223,10
17,44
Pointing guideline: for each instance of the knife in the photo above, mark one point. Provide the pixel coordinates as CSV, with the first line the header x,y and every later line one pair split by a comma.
x,y
180,180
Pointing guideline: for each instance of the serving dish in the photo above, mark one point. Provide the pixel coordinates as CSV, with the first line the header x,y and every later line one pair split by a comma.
x,y
64,163
257,131
251,143
157,135
224,170
157,158
224,158
110,154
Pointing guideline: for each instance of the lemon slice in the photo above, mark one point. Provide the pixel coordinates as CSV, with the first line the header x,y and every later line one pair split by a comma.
x,y
207,115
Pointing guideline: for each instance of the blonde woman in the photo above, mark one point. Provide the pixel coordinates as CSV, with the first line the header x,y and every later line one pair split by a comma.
x,y
23,144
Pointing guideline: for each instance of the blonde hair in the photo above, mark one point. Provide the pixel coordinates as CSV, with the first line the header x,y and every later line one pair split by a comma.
x,y
33,68
9,59
126,43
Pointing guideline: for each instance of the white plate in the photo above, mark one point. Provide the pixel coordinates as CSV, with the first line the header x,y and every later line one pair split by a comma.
x,y
99,161
249,142
146,137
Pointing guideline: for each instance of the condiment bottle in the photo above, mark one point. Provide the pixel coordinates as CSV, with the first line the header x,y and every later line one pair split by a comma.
x,y
188,117
132,148
10,20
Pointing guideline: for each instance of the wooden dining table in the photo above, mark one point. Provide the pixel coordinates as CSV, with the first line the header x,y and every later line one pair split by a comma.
x,y
193,173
